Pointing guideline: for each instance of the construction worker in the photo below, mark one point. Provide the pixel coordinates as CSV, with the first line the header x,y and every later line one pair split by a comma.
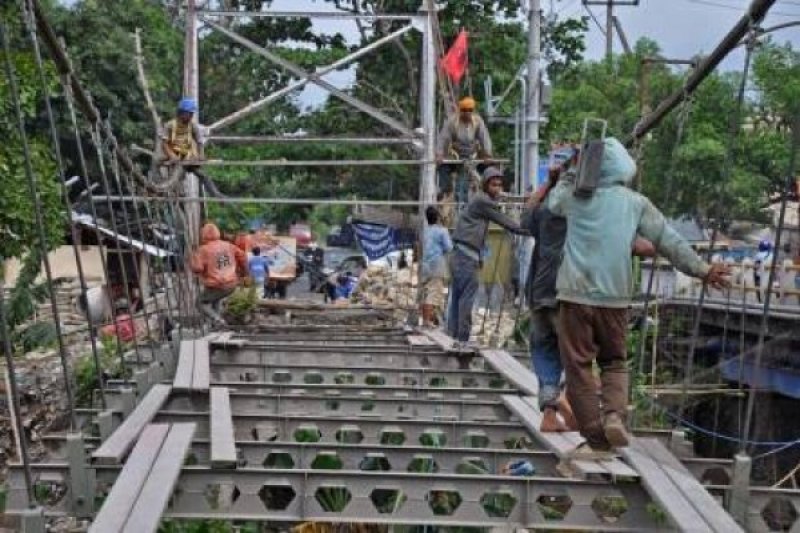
x,y
181,137
219,265
182,140
469,240
258,266
436,244
761,262
463,136
550,232
594,288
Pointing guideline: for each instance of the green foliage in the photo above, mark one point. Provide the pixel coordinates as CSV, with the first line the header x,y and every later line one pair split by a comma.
x,y
99,36
206,526
18,232
777,73
241,303
37,335
85,372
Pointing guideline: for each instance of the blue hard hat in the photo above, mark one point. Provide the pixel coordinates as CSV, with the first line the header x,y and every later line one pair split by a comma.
x,y
187,105
764,246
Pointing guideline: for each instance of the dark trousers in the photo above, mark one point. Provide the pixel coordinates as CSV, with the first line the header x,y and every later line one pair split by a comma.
x,y
587,334
463,288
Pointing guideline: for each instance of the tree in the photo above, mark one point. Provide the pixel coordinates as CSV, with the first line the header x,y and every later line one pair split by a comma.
x,y
19,236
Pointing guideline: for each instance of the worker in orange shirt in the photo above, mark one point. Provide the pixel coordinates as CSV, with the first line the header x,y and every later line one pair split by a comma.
x,y
220,265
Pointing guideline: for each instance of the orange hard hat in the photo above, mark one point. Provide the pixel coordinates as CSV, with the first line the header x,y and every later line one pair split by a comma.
x,y
466,104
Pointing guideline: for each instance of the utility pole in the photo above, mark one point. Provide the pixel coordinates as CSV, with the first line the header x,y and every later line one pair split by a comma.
x,y
532,119
190,90
610,5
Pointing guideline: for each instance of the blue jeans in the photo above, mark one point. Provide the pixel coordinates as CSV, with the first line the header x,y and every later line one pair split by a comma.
x,y
463,288
545,356
445,182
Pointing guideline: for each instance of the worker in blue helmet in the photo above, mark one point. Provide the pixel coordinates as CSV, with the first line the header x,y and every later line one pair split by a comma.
x,y
761,262
181,137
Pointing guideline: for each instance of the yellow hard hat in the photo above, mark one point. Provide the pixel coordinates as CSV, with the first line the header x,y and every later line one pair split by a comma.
x,y
466,104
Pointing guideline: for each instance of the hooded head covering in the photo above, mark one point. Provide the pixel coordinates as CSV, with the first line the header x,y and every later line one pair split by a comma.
x,y
618,166
210,232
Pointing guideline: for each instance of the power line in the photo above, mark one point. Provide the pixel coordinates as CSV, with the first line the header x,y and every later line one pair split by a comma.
x,y
594,18
740,8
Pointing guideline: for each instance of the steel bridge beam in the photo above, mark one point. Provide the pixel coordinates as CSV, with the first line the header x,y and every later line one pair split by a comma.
x,y
306,78
412,498
297,71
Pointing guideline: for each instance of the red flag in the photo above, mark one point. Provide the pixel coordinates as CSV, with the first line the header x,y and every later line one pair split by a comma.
x,y
454,62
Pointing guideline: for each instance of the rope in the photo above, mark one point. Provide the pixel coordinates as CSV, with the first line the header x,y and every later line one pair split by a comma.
x,y
42,238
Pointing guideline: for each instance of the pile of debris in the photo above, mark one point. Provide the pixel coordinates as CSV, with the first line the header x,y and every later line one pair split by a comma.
x,y
379,285
43,406
493,329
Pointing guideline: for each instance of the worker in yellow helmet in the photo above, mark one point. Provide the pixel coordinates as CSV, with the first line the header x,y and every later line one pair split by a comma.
x,y
463,136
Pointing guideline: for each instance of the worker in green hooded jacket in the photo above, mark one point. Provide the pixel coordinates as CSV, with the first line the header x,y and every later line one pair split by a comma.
x,y
595,286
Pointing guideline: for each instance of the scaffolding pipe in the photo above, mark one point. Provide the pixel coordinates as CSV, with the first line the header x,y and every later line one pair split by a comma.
x,y
304,14
265,139
757,11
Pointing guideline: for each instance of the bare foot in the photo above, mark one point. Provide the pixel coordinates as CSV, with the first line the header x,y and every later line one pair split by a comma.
x,y
550,422
565,409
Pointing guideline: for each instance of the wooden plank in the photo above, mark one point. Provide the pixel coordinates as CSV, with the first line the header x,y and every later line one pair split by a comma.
x,y
705,504
420,340
185,370
615,468
117,446
200,371
555,442
512,370
123,494
223,445
440,338
663,490
146,513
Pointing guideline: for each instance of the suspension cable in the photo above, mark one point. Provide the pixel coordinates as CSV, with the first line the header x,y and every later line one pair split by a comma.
x,y
682,118
68,96
96,141
136,271
717,197
27,11
762,331
37,207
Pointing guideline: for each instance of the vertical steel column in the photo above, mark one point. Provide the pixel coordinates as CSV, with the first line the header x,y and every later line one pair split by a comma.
x,y
427,94
534,56
427,109
190,90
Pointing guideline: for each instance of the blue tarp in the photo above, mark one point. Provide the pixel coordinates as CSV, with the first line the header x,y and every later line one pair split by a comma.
x,y
378,240
783,381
